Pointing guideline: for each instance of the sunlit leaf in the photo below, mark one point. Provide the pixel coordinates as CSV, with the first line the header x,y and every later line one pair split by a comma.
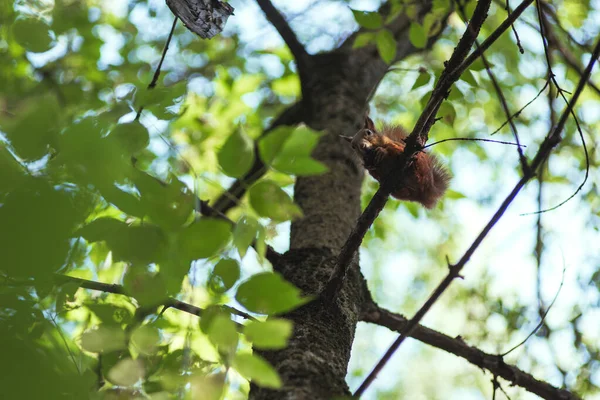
x,y
363,39
244,233
257,370
417,35
368,19
126,372
270,201
204,238
269,334
224,275
386,45
103,339
269,293
237,154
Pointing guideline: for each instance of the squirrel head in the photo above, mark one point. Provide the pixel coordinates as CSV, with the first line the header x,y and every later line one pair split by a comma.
x,y
366,139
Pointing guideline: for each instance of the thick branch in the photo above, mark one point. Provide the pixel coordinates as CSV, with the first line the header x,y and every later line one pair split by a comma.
x,y
287,34
458,347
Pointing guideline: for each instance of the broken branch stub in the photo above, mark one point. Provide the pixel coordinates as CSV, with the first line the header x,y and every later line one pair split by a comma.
x,y
206,18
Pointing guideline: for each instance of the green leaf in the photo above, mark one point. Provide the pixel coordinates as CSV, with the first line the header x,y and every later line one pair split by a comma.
x,y
138,244
35,129
269,293
126,372
270,201
148,288
237,154
363,39
386,45
289,150
222,332
204,238
368,19
257,370
422,80
270,145
224,275
244,233
132,136
270,334
417,35
169,204
145,339
32,33
103,339
448,113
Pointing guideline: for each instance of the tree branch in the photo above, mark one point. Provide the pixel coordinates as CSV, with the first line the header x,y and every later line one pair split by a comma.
x,y
118,289
491,362
391,180
551,140
287,34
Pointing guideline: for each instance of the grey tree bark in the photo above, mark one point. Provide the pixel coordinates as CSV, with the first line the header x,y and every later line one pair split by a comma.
x,y
335,91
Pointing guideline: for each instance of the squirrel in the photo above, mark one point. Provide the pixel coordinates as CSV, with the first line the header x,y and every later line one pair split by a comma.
x,y
427,178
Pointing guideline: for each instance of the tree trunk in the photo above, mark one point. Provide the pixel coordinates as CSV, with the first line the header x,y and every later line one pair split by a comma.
x,y
314,365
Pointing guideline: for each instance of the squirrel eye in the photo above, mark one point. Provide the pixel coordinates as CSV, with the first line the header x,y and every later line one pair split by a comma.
x,y
368,132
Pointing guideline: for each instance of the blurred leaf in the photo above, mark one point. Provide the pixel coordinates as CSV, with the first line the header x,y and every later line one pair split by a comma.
x,y
132,136
204,238
139,244
270,201
35,129
126,372
237,154
223,333
271,144
224,275
244,233
363,39
103,339
270,334
368,19
386,45
257,370
269,293
422,80
417,35
145,338
32,33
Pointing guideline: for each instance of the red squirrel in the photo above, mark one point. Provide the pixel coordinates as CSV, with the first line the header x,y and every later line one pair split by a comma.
x,y
427,178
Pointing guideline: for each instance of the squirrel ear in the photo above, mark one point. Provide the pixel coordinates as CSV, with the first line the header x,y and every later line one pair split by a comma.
x,y
347,138
369,124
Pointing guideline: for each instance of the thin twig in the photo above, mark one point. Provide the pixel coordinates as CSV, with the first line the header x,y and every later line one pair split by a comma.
x,y
551,140
542,320
521,50
501,97
152,83
118,289
474,140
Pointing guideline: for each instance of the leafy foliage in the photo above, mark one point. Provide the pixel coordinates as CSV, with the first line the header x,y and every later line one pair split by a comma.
x,y
89,190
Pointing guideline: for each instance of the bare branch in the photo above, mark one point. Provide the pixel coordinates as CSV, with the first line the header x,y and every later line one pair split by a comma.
x,y
457,346
154,80
287,34
551,140
501,97
118,289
